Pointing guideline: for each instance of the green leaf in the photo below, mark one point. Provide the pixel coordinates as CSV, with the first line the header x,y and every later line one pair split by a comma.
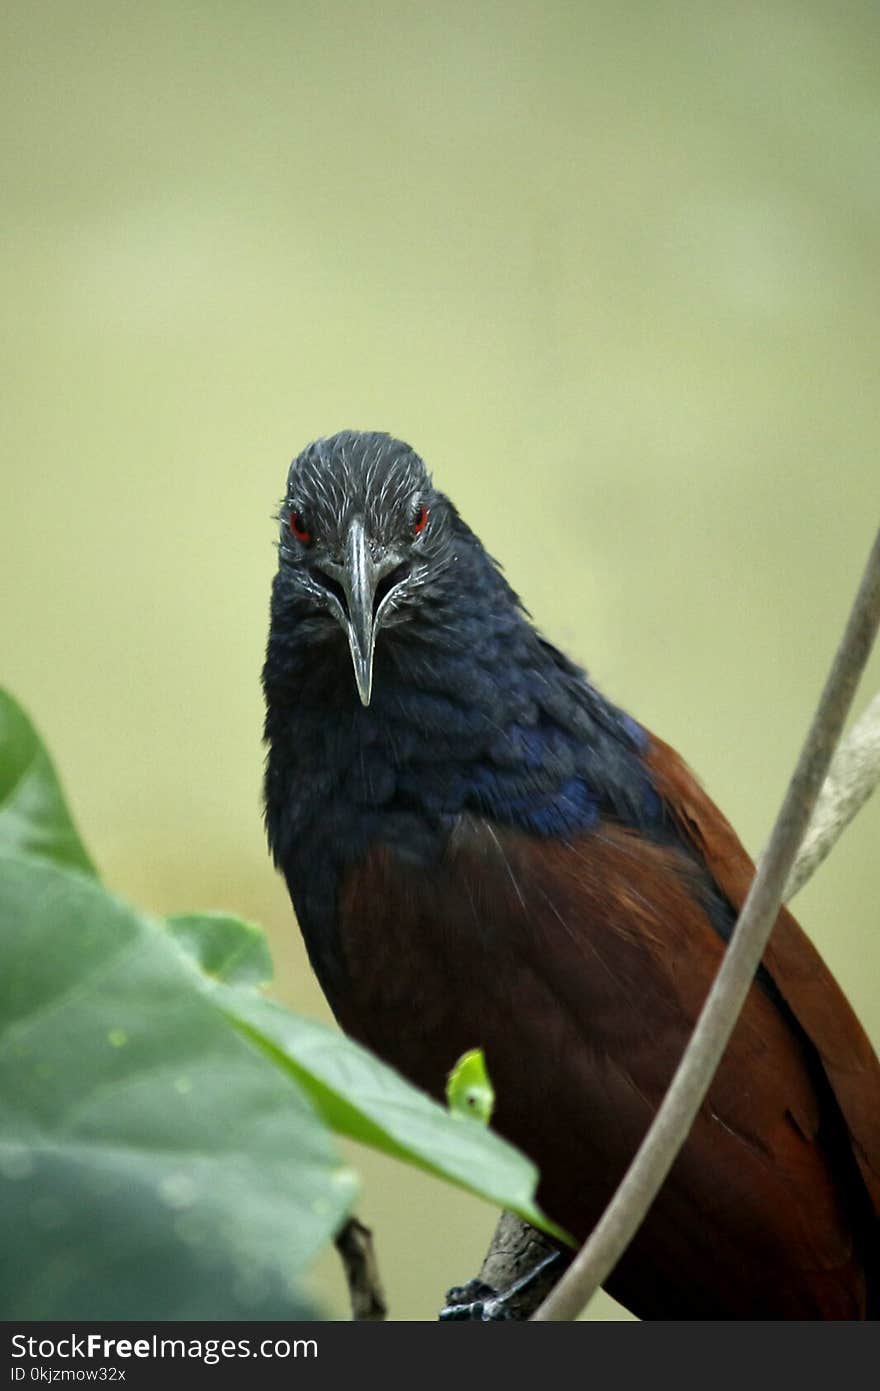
x,y
359,1096
223,947
468,1088
362,1098
33,813
153,1165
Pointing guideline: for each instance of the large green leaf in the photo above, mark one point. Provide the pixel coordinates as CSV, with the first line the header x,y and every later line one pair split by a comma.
x,y
33,814
152,1163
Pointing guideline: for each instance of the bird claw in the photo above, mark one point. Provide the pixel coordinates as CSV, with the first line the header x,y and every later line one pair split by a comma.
x,y
476,1301
482,1303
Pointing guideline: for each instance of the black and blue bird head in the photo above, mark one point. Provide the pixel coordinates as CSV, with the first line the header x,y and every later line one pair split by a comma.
x,y
366,542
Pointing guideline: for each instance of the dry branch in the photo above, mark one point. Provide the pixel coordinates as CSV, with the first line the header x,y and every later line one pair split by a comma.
x,y
853,776
354,1242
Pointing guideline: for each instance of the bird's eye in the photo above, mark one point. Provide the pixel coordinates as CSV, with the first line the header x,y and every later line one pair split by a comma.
x,y
300,528
421,519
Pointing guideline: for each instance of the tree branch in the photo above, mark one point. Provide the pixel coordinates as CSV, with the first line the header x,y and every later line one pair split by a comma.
x,y
517,1249
354,1242
673,1121
853,776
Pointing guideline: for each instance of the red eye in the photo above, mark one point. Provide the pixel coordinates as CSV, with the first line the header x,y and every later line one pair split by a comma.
x,y
421,520
300,529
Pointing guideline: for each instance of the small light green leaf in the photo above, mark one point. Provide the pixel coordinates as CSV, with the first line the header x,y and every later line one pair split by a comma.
x,y
469,1092
33,813
224,947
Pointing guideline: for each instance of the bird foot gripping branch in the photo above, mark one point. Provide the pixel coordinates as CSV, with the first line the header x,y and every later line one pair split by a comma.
x,y
479,1301
483,851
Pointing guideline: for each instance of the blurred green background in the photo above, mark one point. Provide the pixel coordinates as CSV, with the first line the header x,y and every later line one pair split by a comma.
x,y
611,268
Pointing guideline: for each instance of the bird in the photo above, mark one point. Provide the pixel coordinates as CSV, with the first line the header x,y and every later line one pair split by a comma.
x,y
482,850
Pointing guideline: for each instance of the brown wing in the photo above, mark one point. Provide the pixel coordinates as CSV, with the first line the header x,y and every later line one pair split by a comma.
x,y
800,974
580,968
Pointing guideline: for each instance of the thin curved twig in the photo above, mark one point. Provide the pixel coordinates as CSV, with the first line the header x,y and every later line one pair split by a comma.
x,y
671,1125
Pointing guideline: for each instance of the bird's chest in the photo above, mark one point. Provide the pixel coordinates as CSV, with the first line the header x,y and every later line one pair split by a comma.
x,y
388,786
350,786
430,955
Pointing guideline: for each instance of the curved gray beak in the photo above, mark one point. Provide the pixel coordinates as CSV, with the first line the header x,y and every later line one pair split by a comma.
x,y
359,577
